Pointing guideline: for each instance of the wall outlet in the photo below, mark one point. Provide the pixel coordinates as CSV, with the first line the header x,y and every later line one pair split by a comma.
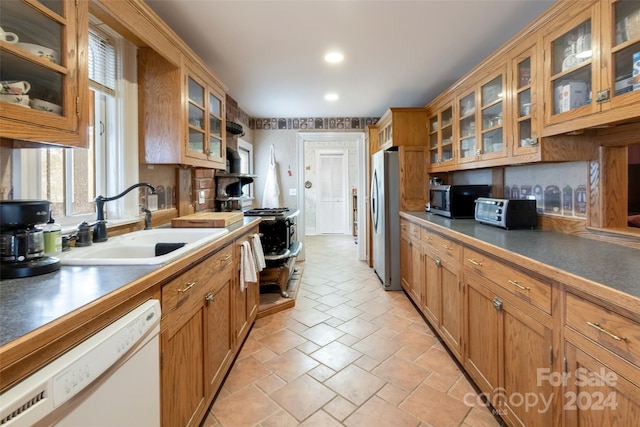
x,y
152,202
201,197
293,191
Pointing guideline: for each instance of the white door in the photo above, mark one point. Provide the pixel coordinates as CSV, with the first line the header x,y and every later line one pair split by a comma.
x,y
331,203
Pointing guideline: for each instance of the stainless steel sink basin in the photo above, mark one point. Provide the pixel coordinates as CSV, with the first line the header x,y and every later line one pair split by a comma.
x,y
140,247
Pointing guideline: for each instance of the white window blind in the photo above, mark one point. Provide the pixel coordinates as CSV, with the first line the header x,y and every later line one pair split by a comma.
x,y
102,62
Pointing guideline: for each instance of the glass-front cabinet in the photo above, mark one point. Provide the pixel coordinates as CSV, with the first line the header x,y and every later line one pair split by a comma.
x,y
441,138
43,72
204,123
467,134
525,112
592,66
492,109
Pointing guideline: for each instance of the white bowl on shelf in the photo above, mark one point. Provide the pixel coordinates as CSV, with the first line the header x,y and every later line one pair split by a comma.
x,y
49,107
38,50
21,100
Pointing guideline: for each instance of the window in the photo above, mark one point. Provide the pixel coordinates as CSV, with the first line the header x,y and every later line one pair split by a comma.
x,y
245,151
71,178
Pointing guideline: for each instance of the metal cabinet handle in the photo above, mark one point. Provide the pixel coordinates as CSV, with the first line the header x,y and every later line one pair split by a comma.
x,y
447,247
474,262
189,286
518,285
438,262
604,331
497,304
226,258
209,298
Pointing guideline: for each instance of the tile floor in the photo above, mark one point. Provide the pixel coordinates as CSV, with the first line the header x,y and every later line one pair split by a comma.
x,y
348,354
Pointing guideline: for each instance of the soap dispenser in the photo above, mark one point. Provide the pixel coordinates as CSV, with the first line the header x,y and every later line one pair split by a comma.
x,y
52,237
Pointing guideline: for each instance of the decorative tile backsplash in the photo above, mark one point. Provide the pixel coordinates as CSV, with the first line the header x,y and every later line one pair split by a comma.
x,y
559,189
325,123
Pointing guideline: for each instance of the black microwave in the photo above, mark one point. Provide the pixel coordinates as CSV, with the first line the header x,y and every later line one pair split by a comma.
x,y
456,201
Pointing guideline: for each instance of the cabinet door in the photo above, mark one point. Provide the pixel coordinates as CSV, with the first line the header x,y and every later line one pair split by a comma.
x,y
570,76
482,335
197,138
432,296
47,44
492,111
601,396
216,144
183,367
413,182
451,315
218,342
525,112
416,273
405,263
621,51
467,129
441,138
526,353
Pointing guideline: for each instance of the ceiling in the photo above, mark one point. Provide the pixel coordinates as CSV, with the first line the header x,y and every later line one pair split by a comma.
x,y
397,53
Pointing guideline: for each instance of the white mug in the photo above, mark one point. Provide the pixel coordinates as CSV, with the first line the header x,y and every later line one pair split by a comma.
x,y
14,87
8,36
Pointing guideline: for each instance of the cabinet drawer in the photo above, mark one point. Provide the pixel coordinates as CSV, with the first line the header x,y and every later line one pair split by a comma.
x,y
410,229
617,333
195,281
443,246
514,281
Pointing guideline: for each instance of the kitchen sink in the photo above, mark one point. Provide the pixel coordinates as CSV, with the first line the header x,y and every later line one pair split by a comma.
x,y
148,247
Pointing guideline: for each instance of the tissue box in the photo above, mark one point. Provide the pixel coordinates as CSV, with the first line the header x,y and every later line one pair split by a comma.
x,y
572,95
635,75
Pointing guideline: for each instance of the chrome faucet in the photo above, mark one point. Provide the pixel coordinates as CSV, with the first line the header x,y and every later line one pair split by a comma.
x,y
100,227
147,217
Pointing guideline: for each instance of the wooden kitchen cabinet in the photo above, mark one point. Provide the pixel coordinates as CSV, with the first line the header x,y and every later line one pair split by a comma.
x,y
589,64
414,191
411,261
402,127
443,288
195,339
181,112
245,302
508,346
441,152
603,363
58,75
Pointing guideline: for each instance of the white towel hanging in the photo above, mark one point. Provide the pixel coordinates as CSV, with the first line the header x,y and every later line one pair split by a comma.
x,y
248,272
259,253
271,193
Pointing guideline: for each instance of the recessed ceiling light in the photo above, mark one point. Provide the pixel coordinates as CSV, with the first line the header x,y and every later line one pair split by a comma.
x,y
331,97
334,57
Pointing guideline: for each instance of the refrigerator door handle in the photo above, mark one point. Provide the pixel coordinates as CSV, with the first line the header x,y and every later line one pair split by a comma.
x,y
374,200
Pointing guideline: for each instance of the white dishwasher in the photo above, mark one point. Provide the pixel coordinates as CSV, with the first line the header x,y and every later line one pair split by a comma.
x,y
112,379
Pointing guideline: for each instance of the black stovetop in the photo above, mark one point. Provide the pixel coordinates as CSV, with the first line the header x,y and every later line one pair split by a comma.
x,y
277,212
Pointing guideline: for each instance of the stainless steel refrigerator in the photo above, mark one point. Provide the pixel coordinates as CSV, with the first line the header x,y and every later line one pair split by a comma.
x,y
385,208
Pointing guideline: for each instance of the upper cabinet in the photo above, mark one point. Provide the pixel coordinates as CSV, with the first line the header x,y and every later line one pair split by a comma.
x,y
590,52
441,153
402,127
44,90
182,111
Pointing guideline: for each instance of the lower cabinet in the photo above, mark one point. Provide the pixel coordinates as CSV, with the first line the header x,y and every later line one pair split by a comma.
x,y
411,276
508,352
246,301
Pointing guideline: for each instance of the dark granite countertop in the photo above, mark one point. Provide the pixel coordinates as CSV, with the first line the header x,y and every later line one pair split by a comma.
x,y
29,303
614,266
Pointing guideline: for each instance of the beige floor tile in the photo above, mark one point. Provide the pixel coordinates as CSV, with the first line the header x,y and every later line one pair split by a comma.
x,y
321,373
270,383
415,339
439,361
336,355
434,407
377,412
401,372
442,381
344,312
392,394
210,421
358,327
303,396
410,353
282,341
291,365
232,411
322,334
340,408
366,363
348,340
461,388
280,419
377,348
310,317
308,347
355,384
480,417
263,355
245,371
321,419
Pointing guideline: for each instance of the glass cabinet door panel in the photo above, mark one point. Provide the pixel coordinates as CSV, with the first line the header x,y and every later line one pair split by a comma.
x,y
492,141
524,103
215,106
215,147
572,48
524,133
447,117
524,73
572,91
627,69
492,116
53,5
468,105
215,126
196,92
196,117
492,91
468,148
433,156
196,141
447,152
433,132
627,20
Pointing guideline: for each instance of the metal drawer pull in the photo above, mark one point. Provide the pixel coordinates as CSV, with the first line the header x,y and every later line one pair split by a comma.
x,y
438,262
226,258
447,247
497,304
518,285
474,262
601,329
209,298
189,286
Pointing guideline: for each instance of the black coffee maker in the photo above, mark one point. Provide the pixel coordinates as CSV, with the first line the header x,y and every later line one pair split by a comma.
x,y
22,241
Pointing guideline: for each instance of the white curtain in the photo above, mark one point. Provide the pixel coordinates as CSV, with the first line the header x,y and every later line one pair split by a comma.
x,y
271,194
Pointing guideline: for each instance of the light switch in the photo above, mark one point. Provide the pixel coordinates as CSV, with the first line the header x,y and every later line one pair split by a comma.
x,y
201,197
